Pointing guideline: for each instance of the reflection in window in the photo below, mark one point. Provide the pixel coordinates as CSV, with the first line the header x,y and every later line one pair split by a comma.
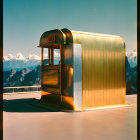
x,y
45,56
56,56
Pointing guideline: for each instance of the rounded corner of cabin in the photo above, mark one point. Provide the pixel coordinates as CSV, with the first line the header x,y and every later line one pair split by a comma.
x,y
122,39
42,34
51,37
68,34
66,30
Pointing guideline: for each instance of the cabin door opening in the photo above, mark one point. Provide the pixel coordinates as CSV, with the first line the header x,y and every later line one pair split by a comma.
x,y
51,69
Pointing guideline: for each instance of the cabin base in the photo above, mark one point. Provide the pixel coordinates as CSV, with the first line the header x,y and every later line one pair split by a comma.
x,y
67,103
64,103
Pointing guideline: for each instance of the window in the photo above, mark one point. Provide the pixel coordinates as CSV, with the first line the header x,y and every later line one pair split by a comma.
x,y
45,56
51,56
56,56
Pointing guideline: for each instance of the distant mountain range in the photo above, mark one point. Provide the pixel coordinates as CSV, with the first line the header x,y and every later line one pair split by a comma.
x,y
19,62
24,77
132,58
131,72
21,71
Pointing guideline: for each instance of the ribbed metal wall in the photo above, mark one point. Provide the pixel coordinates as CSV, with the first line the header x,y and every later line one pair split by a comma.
x,y
103,69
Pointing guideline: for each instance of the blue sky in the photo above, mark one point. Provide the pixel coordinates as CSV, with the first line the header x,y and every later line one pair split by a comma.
x,y
26,20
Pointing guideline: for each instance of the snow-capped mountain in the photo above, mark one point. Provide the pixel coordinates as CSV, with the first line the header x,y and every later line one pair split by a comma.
x,y
24,77
9,57
33,57
19,62
19,56
132,58
14,78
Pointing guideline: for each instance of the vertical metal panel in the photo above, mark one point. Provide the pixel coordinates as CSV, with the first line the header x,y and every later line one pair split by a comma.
x,y
49,56
103,69
50,79
67,55
67,71
41,68
77,77
67,75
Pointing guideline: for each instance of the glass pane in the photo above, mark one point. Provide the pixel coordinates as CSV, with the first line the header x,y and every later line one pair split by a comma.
x,y
56,56
45,56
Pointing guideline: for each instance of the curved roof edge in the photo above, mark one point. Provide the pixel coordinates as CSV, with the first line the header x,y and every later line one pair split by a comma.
x,y
65,35
68,34
98,34
55,36
89,33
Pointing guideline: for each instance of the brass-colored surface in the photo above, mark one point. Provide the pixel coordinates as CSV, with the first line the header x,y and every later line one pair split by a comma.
x,y
44,93
52,55
67,102
53,37
60,66
67,81
41,66
51,79
51,74
49,56
103,69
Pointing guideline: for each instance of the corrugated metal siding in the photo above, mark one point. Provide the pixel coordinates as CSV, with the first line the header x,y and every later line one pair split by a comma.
x,y
103,70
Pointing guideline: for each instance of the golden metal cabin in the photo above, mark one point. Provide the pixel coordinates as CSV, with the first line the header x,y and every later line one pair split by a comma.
x,y
90,71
